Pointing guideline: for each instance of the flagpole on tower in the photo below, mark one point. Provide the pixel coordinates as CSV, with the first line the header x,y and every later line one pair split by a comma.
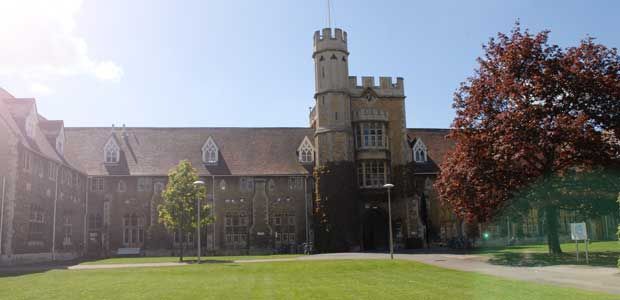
x,y
329,14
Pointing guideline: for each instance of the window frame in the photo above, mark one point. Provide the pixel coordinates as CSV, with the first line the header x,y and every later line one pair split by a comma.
x,y
111,152
372,173
371,135
305,152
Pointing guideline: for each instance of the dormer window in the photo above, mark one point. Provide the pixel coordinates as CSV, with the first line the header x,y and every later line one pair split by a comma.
x,y
306,151
31,124
420,153
111,152
60,142
210,152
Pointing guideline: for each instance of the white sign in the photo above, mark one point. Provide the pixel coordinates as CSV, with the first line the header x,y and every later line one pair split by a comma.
x,y
578,231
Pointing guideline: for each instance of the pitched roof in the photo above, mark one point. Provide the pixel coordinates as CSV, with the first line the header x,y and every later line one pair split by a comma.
x,y
154,151
437,145
14,112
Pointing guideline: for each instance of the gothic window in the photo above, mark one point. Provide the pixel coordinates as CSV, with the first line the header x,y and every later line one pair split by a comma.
x,y
223,185
27,160
51,170
419,152
209,152
295,183
60,142
67,229
144,184
369,135
246,184
333,56
97,184
31,124
111,152
236,229
371,173
271,185
306,151
122,186
133,229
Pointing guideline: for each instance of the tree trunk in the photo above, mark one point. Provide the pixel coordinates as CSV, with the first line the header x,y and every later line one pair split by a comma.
x,y
181,244
551,221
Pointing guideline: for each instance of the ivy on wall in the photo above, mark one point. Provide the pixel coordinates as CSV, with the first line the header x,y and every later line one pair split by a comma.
x,y
337,207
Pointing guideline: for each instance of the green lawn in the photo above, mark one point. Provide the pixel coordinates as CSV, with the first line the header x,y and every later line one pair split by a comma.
x,y
601,254
157,259
356,279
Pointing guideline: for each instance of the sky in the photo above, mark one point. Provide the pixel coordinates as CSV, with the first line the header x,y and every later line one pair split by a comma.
x,y
207,63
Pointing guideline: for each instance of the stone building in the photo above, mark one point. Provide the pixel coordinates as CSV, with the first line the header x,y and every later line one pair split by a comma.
x,y
70,192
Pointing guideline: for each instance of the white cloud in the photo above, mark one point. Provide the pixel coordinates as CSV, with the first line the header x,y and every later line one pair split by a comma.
x,y
39,43
40,89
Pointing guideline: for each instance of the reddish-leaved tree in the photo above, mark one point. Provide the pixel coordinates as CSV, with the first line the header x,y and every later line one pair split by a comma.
x,y
532,118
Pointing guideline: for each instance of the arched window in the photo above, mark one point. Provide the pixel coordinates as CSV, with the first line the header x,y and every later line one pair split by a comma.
x,y
111,152
209,152
223,185
306,151
420,153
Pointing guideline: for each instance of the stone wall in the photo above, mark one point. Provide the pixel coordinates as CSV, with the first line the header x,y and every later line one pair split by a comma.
x,y
261,200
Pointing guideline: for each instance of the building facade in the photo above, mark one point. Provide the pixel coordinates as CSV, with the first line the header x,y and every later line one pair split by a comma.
x,y
88,192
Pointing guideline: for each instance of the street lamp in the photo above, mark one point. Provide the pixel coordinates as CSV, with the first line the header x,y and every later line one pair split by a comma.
x,y
198,183
389,187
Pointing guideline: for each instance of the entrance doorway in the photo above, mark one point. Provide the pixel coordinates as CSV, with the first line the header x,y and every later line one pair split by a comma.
x,y
375,230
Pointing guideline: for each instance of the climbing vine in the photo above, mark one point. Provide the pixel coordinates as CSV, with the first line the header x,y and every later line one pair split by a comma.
x,y
337,207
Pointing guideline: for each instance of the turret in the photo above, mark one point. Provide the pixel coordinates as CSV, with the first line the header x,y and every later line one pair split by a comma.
x,y
331,60
332,114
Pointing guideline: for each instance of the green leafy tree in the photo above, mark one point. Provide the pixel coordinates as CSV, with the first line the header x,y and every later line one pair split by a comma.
x,y
178,212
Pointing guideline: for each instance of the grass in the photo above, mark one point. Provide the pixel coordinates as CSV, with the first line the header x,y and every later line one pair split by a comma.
x,y
159,259
604,254
354,279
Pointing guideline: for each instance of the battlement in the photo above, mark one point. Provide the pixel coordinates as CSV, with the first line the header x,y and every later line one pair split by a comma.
x,y
328,39
386,88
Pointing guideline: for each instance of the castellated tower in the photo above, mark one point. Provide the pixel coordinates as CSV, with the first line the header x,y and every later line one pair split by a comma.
x,y
333,135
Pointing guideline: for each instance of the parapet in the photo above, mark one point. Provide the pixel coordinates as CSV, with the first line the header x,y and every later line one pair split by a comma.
x,y
386,88
328,39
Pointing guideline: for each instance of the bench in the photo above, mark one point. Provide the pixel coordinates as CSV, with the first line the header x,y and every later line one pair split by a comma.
x,y
128,251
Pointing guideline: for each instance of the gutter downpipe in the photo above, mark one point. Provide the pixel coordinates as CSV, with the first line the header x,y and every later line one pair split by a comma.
x,y
2,211
54,218
85,245
213,210
306,212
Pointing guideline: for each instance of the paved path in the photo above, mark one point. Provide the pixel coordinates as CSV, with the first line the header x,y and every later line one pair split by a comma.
x,y
583,277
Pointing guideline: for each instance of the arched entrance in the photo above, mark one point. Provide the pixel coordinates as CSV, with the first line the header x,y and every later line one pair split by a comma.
x,y
375,229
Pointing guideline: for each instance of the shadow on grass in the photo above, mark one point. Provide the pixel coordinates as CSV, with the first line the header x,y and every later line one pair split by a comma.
x,y
26,269
600,259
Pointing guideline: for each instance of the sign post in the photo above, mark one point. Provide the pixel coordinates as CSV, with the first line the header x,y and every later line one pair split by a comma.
x,y
578,232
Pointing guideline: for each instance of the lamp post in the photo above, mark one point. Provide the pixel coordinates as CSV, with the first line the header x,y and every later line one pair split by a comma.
x,y
198,246
389,187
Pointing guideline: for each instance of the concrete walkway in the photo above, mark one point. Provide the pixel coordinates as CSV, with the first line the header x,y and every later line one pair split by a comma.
x,y
599,279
